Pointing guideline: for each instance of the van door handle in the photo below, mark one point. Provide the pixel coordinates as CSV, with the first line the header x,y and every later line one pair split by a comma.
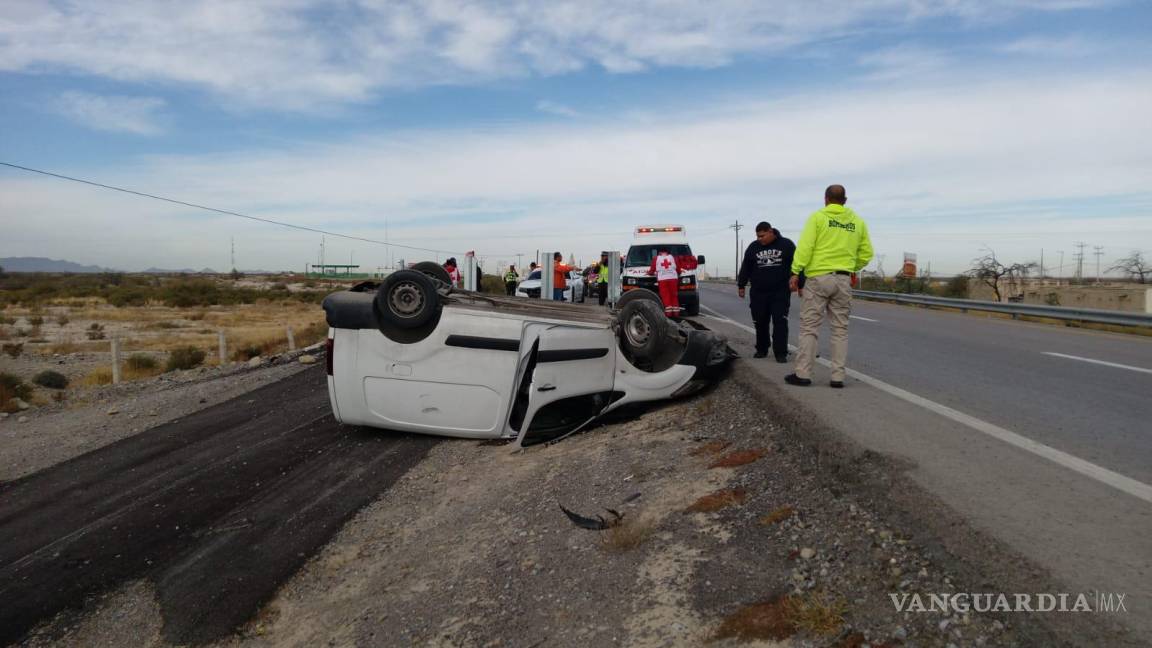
x,y
547,388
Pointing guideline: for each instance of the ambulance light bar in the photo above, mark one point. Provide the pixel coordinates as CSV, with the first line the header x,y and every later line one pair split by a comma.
x,y
650,230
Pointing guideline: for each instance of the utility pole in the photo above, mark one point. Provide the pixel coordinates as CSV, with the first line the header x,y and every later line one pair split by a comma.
x,y
1041,264
1079,260
737,227
1098,251
233,253
1060,270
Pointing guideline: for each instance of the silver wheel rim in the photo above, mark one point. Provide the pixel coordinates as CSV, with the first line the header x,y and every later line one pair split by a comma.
x,y
406,299
637,330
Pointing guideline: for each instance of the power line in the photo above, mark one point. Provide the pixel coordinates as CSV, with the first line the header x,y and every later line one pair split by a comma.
x,y
229,213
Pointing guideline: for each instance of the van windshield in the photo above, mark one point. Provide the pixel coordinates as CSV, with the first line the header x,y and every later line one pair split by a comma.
x,y
642,255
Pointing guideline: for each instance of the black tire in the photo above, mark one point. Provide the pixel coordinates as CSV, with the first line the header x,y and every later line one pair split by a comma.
x,y
644,329
407,300
638,293
434,270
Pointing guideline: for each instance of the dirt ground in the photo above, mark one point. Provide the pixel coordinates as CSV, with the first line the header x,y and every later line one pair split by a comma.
x,y
729,536
92,417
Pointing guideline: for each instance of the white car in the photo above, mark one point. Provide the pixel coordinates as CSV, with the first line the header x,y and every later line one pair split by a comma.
x,y
573,294
414,354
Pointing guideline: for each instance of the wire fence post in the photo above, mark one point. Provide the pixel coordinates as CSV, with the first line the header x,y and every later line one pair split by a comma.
x,y
115,359
223,348
291,339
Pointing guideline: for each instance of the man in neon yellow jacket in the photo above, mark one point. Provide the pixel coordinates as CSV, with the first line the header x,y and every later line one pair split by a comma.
x,y
833,245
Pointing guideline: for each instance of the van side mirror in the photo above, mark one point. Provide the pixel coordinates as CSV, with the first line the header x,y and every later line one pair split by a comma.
x,y
700,259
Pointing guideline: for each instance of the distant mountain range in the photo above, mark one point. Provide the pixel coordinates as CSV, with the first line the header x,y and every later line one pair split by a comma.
x,y
43,264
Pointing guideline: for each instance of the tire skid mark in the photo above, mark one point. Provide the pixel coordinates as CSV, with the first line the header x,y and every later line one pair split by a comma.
x,y
218,508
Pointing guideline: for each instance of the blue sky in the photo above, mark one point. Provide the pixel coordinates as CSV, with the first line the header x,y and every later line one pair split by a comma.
x,y
509,127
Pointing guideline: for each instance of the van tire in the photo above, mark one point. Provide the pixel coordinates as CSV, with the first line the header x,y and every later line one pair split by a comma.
x,y
407,300
434,270
644,329
635,294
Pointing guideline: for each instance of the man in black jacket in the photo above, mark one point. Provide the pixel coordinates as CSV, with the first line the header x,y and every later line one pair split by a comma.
x,y
768,265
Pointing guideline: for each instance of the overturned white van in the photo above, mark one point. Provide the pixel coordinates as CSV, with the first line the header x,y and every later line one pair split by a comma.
x,y
414,354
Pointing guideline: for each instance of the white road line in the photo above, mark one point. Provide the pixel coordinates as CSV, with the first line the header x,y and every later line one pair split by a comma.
x,y
1099,362
866,319
1120,482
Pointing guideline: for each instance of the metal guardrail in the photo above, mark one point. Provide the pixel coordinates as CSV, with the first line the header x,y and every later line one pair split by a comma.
x,y
1092,315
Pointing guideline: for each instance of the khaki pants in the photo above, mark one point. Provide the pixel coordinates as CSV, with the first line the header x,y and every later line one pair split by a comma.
x,y
831,294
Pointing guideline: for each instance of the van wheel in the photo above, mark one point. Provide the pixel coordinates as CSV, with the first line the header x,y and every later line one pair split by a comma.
x,y
434,270
644,329
638,293
407,300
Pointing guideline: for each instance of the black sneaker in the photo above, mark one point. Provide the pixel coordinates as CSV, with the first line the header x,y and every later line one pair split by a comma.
x,y
760,354
793,379
782,359
836,384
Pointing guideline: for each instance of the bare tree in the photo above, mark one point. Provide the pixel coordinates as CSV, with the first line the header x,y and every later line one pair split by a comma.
x,y
998,276
1134,266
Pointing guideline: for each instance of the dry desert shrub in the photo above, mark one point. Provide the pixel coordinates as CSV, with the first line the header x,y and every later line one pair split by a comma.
x,y
767,620
51,379
98,376
140,365
630,533
64,347
817,613
187,357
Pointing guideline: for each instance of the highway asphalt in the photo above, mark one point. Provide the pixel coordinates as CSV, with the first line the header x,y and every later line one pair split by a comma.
x,y
940,392
1001,371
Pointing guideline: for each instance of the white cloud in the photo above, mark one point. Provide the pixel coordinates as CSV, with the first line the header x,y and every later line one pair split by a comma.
x,y
903,62
554,108
940,171
136,115
302,54
1064,47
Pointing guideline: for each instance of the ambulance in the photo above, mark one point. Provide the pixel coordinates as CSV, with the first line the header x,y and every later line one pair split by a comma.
x,y
646,243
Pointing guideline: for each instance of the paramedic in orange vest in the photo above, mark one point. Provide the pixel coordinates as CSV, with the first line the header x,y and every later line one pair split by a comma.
x,y
668,280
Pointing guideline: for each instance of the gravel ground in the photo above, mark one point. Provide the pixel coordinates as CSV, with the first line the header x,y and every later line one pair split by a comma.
x,y
471,548
55,432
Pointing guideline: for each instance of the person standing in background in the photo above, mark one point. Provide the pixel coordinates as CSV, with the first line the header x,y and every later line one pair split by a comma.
x,y
560,272
510,279
453,271
667,280
602,280
768,265
833,245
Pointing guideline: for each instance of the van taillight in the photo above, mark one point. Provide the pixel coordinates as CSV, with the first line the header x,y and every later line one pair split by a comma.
x,y
329,348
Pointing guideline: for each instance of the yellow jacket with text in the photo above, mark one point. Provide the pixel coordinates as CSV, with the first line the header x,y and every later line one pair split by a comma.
x,y
834,238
